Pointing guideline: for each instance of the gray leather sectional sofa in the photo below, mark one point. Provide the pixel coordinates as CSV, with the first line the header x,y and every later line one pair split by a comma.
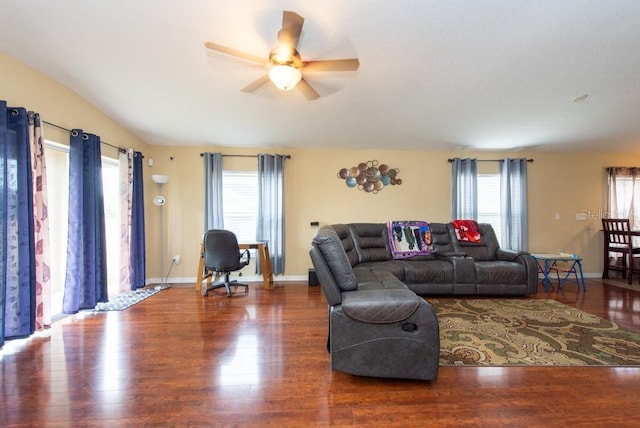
x,y
378,325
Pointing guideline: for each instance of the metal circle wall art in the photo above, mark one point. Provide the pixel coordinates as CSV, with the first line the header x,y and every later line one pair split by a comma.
x,y
370,176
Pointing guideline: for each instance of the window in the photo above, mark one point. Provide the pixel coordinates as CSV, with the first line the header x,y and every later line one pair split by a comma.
x,y
111,192
489,202
240,203
482,194
57,158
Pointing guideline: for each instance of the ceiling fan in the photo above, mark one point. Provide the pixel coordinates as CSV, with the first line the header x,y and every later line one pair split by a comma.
x,y
284,62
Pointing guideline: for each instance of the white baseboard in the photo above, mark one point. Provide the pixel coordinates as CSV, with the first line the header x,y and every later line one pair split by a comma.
x,y
285,278
593,275
247,278
586,275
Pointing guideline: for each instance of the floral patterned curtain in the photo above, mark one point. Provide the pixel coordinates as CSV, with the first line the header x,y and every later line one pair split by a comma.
x,y
623,188
41,222
126,191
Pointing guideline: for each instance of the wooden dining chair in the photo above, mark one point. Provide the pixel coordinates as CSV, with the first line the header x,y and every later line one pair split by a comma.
x,y
617,240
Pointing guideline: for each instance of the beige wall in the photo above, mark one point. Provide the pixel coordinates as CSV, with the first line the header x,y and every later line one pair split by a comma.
x,y
564,183
22,86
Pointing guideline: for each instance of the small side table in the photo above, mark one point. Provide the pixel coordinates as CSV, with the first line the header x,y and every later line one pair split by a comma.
x,y
549,262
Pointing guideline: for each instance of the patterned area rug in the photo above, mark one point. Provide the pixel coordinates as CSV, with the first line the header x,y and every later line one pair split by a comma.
x,y
514,332
124,301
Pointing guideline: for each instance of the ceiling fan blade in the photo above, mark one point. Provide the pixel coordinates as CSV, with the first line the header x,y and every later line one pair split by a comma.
x,y
332,65
307,90
256,84
291,29
235,52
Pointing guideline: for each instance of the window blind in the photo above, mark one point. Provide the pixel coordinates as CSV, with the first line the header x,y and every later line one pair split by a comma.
x,y
240,203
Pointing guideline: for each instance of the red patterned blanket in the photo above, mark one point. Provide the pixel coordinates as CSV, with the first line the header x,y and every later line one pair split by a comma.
x,y
466,230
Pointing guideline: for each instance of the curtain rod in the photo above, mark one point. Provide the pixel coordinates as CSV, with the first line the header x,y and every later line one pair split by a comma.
x,y
245,156
72,132
488,160
621,167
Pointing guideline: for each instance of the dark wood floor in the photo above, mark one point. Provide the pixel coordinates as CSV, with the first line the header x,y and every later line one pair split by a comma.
x,y
178,359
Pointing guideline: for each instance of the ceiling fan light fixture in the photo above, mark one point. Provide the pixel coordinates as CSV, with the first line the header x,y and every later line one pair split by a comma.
x,y
285,64
285,77
283,55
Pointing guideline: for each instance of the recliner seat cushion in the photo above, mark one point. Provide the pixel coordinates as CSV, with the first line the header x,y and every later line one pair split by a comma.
x,y
381,306
432,271
369,279
395,267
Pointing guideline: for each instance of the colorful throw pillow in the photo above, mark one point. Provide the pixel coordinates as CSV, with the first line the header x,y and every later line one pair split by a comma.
x,y
466,230
409,238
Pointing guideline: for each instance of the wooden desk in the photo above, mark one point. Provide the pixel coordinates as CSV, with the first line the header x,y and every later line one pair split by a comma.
x,y
265,263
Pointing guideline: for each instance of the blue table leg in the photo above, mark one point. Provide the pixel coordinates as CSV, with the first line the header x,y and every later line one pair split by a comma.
x,y
575,268
584,288
545,273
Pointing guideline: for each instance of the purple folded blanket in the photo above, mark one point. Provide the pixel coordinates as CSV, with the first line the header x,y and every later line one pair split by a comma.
x,y
409,238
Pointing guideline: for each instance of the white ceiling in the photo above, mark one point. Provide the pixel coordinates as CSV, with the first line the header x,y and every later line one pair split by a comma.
x,y
436,75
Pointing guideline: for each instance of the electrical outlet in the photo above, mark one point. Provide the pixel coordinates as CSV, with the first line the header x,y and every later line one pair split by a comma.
x,y
176,259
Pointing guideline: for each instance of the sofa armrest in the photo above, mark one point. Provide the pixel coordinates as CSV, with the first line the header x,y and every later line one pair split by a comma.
x,y
330,288
524,258
328,246
509,255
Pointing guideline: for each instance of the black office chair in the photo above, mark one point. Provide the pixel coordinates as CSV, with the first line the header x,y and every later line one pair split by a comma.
x,y
222,256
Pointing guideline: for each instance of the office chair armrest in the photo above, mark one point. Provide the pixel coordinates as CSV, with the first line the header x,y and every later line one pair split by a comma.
x,y
246,254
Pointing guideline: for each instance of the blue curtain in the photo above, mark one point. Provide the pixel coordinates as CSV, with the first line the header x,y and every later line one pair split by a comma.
x,y
464,180
271,207
514,207
137,253
213,213
86,275
5,138
17,244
